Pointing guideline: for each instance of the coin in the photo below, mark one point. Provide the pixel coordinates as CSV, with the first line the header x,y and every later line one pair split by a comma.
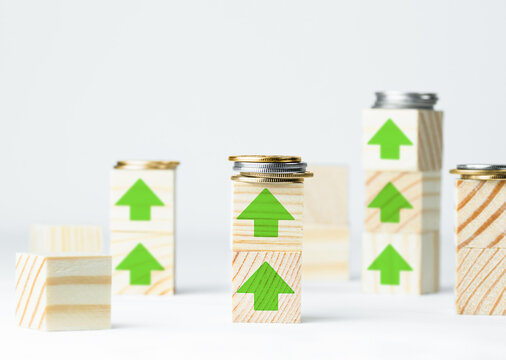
x,y
264,180
287,176
265,158
145,165
480,172
270,167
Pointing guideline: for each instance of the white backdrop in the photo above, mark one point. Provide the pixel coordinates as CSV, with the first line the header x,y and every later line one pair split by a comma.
x,y
83,84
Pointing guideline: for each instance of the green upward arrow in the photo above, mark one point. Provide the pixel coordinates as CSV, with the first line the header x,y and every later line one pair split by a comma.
x,y
140,263
390,264
390,202
390,138
140,198
266,285
266,211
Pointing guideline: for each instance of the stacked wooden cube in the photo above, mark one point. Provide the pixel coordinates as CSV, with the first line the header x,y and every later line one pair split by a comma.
x,y
142,231
402,156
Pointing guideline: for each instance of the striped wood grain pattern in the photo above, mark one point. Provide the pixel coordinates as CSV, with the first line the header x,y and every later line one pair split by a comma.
x,y
421,189
49,239
481,281
481,214
287,265
421,251
290,195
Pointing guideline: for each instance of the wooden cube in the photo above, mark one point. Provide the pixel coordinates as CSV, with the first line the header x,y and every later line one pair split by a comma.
x,y
49,239
266,286
142,231
400,263
481,214
402,202
481,281
326,253
402,139
63,292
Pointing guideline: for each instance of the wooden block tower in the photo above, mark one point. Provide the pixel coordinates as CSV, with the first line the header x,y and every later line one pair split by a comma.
x,y
402,156
326,230
481,239
267,229
142,227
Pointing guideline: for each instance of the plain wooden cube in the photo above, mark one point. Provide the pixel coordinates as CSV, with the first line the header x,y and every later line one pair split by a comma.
x,y
63,292
481,281
413,143
49,239
326,254
481,214
414,209
287,265
420,251
289,236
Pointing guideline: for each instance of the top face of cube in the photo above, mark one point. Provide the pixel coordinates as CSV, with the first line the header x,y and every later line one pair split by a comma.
x,y
402,139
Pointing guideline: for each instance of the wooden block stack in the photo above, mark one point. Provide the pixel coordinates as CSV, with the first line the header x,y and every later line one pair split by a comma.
x,y
48,239
402,153
481,240
63,292
142,227
267,245
326,230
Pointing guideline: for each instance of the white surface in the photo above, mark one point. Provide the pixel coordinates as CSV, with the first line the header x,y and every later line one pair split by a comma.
x,y
338,323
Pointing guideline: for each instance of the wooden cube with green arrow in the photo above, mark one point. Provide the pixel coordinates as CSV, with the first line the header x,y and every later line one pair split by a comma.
x,y
400,263
402,139
402,202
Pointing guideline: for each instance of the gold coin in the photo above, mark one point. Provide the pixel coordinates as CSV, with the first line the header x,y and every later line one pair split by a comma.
x,y
467,174
264,180
265,158
145,165
306,174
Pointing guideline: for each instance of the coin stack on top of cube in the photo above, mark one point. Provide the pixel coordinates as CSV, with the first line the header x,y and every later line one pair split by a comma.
x,y
402,156
267,226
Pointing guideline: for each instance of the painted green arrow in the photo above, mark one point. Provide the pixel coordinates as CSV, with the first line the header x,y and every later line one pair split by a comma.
x,y
140,198
266,211
390,138
390,264
266,285
390,202
140,263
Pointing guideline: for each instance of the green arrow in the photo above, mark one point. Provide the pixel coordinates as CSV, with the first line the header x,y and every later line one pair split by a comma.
x,y
140,263
266,285
390,263
266,211
140,198
390,202
390,138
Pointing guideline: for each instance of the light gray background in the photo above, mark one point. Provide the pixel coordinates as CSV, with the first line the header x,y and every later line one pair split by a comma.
x,y
83,84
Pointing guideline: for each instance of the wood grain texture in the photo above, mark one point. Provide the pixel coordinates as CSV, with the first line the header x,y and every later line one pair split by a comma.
x,y
287,265
423,127
161,247
326,196
63,293
290,195
49,239
161,182
326,254
421,189
420,251
481,281
481,214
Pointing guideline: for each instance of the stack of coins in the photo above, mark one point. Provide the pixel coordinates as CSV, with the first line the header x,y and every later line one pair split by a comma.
x,y
268,206
481,239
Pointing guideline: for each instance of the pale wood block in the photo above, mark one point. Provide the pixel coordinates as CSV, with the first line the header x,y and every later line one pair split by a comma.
x,y
326,253
261,296
402,139
156,266
63,292
409,263
481,214
288,234
154,205
326,196
481,281
47,239
402,202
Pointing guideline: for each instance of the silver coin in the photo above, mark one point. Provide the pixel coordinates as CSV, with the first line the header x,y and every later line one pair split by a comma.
x,y
480,167
298,167
404,100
